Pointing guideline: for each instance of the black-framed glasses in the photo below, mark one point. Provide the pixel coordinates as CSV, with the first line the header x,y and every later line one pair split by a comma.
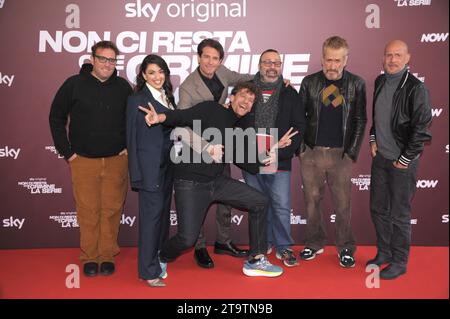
x,y
269,63
103,59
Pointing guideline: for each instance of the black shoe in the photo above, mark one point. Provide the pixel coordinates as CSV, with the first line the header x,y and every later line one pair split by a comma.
x,y
379,260
309,253
107,268
346,258
90,269
202,258
392,271
229,249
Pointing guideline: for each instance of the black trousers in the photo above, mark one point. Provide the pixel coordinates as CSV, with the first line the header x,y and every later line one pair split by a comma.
x,y
193,199
391,193
223,221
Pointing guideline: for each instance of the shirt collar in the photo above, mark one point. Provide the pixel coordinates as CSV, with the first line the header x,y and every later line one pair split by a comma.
x,y
158,95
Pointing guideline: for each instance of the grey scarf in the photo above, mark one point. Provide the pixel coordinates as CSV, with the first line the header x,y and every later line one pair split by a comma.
x,y
266,113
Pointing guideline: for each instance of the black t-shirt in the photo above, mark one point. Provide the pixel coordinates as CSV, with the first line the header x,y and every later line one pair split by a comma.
x,y
330,132
214,85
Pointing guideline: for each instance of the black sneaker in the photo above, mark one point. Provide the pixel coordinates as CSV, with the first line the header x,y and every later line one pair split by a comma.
x,y
288,257
309,253
346,258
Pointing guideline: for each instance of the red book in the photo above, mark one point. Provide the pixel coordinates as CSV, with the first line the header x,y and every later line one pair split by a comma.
x,y
265,142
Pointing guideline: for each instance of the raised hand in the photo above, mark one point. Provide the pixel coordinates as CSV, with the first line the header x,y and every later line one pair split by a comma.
x,y
287,82
151,117
286,140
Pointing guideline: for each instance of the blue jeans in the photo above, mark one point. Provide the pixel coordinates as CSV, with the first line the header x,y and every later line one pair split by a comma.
x,y
278,188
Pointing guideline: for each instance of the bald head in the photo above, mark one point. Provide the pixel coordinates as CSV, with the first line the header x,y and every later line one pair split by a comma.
x,y
396,44
396,56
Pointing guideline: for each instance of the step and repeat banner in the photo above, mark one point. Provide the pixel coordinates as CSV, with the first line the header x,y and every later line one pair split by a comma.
x,y
44,42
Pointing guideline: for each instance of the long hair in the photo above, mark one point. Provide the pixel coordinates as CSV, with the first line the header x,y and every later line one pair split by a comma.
x,y
155,59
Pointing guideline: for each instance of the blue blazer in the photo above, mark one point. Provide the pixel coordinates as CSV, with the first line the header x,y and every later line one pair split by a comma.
x,y
148,147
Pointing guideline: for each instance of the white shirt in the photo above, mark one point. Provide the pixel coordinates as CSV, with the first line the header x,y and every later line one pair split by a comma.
x,y
159,96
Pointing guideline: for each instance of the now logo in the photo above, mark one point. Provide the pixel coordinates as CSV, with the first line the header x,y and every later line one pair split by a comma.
x,y
434,37
427,183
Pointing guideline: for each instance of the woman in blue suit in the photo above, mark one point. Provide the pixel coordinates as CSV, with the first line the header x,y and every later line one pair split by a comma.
x,y
149,164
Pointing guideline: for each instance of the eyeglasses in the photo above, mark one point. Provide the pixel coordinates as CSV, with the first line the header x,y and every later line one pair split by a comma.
x,y
103,59
269,63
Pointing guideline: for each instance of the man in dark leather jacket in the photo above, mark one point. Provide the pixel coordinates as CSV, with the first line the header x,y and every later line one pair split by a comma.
x,y
335,104
401,119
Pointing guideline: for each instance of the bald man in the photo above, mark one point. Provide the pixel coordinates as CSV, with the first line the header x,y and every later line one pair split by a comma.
x,y
401,120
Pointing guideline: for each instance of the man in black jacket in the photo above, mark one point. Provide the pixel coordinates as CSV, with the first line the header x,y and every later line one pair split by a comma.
x,y
198,184
335,104
276,110
401,119
95,101
210,82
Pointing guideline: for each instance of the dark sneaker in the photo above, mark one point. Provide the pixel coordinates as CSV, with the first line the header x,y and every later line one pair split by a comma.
x,y
309,253
346,258
288,257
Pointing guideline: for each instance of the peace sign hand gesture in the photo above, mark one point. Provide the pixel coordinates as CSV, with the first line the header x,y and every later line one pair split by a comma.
x,y
151,117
